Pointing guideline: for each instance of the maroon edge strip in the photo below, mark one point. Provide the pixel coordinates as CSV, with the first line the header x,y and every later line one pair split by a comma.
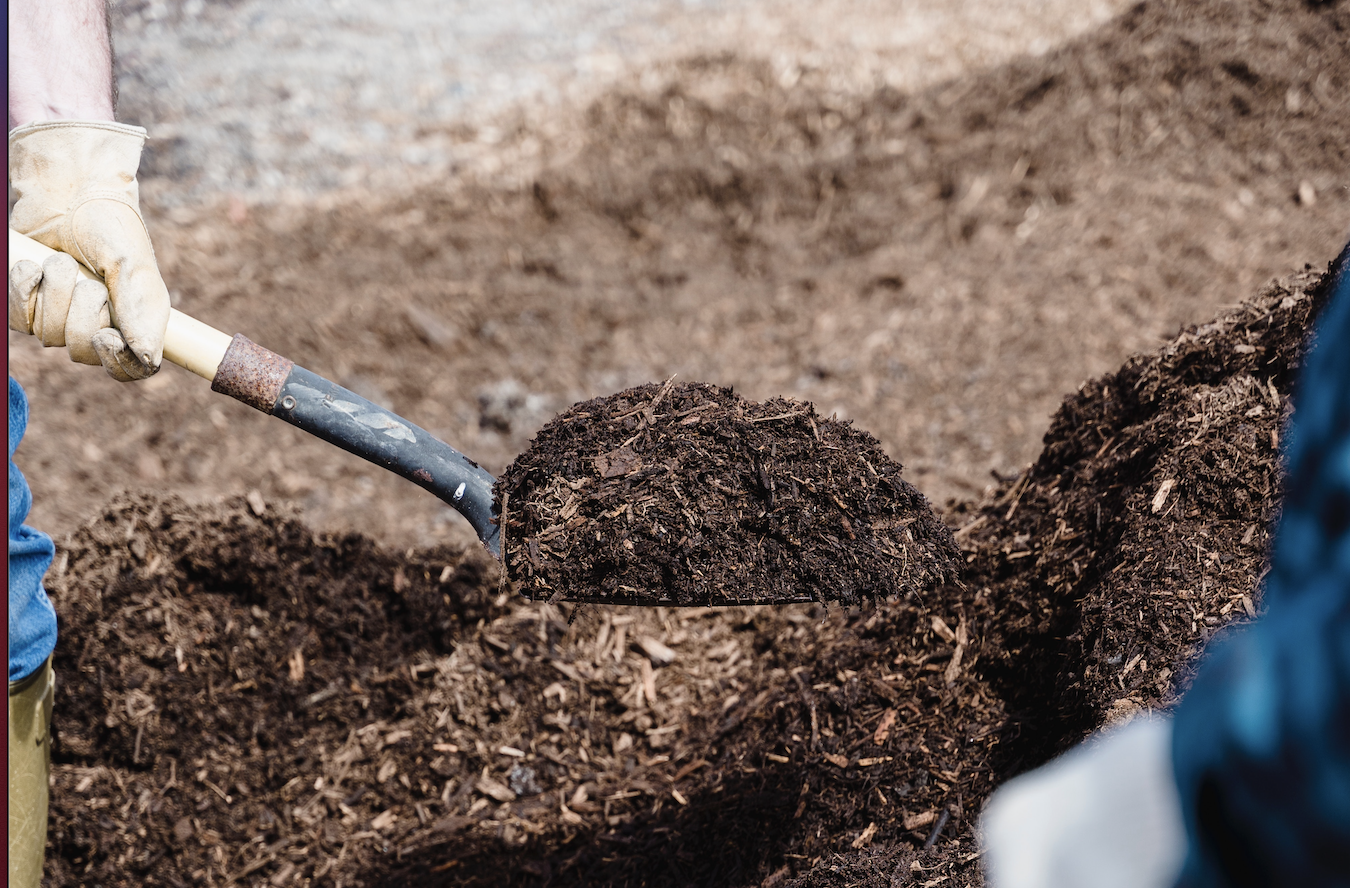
x,y
251,374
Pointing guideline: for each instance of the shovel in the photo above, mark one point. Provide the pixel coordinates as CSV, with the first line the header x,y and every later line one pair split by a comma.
x,y
264,380
268,382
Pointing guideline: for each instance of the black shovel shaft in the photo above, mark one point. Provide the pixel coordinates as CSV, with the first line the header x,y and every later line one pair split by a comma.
x,y
331,412
270,383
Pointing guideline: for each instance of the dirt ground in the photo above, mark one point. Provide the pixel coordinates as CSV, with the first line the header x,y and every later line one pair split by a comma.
x,y
245,702
324,682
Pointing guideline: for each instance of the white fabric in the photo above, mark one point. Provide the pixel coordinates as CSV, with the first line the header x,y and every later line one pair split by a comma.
x,y
1104,815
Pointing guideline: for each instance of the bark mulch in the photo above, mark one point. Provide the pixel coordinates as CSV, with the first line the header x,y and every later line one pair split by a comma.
x,y
242,701
689,495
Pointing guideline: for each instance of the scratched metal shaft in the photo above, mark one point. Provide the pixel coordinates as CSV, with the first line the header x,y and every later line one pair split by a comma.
x,y
268,382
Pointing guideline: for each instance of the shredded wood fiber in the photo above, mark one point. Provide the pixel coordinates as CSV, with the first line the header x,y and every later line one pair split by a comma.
x,y
689,495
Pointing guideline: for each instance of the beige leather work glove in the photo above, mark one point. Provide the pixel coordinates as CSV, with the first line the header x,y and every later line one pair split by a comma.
x,y
76,188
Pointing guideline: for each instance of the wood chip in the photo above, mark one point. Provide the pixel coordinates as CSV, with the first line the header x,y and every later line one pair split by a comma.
x,y
914,821
499,791
1160,498
649,681
689,769
883,731
658,653
283,874
865,838
296,665
429,328
839,761
954,665
618,462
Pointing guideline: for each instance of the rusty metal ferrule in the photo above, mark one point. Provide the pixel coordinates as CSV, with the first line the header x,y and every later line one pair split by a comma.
x,y
251,374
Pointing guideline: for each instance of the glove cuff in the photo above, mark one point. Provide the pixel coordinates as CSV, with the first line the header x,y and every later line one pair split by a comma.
x,y
138,132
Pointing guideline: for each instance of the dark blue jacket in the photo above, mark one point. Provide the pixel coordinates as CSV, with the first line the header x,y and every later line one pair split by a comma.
x,y
1261,743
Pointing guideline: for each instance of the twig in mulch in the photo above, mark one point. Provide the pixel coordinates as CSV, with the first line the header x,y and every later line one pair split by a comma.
x,y
937,829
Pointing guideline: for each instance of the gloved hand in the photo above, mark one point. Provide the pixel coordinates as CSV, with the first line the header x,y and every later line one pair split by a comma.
x,y
77,193
1103,815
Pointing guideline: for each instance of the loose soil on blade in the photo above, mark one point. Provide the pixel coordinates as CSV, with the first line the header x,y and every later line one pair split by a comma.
x,y
688,495
244,701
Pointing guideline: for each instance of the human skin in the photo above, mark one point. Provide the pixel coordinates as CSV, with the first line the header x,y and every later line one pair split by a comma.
x,y
60,61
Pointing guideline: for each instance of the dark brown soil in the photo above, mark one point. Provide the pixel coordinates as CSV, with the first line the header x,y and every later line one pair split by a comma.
x,y
688,495
209,656
243,701
938,267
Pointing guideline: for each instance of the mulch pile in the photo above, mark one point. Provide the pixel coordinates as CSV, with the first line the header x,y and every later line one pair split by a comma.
x,y
1144,526
688,495
244,702
209,660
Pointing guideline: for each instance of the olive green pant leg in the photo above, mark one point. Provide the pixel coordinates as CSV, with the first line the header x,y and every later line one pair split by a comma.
x,y
30,764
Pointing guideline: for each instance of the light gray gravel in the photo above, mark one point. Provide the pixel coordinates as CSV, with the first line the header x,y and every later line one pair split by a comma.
x,y
264,96
270,99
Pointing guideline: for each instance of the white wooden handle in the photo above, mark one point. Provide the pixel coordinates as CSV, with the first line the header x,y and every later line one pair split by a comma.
x,y
188,342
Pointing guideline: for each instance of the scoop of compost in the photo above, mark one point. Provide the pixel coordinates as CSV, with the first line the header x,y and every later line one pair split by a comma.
x,y
690,495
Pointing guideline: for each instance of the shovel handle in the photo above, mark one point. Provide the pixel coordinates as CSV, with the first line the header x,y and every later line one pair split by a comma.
x,y
268,382
188,342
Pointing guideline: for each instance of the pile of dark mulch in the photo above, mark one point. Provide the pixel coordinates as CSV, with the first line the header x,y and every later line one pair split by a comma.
x,y
689,495
208,655
1143,528
1101,573
243,702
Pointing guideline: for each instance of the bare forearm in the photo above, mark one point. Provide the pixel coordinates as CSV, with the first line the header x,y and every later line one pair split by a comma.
x,y
60,61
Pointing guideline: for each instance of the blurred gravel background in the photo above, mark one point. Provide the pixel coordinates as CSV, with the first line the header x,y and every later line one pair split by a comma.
x,y
273,99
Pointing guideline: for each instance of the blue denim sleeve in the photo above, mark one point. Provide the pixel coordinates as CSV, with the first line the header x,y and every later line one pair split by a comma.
x,y
32,621
1261,744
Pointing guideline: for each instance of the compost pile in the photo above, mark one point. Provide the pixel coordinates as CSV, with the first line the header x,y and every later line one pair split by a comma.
x,y
689,495
245,701
242,701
